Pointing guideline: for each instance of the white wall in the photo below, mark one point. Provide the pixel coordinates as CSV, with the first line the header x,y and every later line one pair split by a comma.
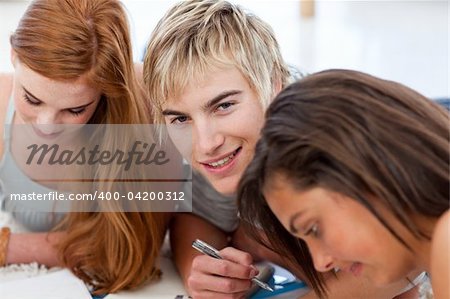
x,y
405,41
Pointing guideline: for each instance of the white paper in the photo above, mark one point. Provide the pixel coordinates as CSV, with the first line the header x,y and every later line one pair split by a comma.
x,y
61,284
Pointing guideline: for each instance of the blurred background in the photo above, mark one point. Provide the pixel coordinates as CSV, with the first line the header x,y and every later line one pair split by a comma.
x,y
404,41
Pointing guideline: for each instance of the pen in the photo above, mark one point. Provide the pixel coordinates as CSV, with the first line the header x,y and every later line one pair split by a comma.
x,y
212,252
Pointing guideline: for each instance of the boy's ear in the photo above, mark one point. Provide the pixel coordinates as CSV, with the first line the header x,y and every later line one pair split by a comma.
x,y
277,87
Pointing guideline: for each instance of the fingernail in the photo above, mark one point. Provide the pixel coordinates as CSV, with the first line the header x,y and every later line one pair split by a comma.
x,y
253,272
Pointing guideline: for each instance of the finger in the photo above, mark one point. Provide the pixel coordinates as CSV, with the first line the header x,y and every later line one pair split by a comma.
x,y
218,284
237,256
240,257
211,266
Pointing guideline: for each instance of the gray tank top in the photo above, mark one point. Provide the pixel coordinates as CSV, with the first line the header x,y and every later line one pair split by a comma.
x,y
14,180
220,210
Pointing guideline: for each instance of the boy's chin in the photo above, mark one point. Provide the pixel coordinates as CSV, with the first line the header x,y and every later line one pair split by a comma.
x,y
226,186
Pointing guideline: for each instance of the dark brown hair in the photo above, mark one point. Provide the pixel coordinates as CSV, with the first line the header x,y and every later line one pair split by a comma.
x,y
357,135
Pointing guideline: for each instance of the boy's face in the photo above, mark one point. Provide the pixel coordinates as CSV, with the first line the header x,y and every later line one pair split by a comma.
x,y
224,116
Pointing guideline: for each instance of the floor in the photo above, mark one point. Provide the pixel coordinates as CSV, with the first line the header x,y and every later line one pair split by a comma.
x,y
405,41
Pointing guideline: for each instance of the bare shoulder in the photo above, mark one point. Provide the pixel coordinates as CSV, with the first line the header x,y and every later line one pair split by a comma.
x,y
440,261
6,78
6,84
441,231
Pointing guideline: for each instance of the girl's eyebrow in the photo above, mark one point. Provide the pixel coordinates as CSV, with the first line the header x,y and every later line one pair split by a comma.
x,y
294,217
37,99
82,106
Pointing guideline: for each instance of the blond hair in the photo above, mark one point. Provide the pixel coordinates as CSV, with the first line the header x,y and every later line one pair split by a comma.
x,y
195,36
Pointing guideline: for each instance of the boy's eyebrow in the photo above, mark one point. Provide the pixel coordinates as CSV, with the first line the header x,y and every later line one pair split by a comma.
x,y
211,103
167,112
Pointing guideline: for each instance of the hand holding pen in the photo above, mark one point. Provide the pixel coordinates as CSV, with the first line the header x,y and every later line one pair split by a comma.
x,y
212,252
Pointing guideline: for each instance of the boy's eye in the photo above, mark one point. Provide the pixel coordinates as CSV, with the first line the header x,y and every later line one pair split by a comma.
x,y
224,106
179,119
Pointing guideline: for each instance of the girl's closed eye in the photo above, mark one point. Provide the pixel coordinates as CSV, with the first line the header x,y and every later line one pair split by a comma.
x,y
30,101
313,231
77,111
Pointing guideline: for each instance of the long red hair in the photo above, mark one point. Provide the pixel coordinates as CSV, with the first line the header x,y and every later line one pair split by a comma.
x,y
63,40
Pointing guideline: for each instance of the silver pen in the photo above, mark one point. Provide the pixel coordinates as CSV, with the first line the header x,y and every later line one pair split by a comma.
x,y
212,252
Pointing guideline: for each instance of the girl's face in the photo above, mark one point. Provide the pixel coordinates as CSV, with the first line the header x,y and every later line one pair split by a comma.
x,y
44,103
341,233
